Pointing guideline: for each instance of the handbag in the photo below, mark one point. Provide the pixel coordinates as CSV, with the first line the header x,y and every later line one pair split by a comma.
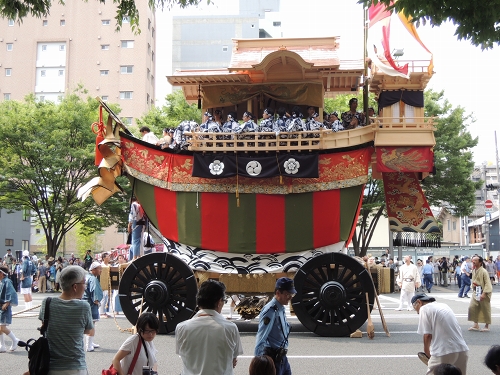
x,y
112,371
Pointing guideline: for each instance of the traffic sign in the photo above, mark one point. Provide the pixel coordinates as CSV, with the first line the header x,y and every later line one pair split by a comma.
x,y
488,205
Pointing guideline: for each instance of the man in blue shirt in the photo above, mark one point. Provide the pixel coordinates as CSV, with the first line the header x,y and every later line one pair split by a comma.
x,y
427,273
272,335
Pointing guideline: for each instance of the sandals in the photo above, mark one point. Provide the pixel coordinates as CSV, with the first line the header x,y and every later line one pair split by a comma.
x,y
473,328
485,330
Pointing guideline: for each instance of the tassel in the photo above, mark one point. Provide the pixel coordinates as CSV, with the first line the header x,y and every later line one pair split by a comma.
x,y
237,202
281,180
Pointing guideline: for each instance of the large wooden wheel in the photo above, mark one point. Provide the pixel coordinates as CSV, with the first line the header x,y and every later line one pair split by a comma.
x,y
164,285
331,299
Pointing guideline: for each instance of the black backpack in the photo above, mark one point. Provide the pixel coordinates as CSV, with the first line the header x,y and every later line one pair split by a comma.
x,y
38,350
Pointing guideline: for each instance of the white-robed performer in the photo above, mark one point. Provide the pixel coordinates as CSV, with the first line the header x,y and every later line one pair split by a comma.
x,y
408,279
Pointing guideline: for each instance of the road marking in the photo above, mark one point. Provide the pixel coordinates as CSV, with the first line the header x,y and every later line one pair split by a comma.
x,y
345,356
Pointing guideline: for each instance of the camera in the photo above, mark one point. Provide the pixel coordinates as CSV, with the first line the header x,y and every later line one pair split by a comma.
x,y
146,370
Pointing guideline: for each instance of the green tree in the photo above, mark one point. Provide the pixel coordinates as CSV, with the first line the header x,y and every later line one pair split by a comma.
x,y
451,186
372,210
19,9
176,110
341,102
48,153
477,21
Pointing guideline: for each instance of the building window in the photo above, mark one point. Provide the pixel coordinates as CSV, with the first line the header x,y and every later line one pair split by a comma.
x,y
149,24
105,47
277,23
224,48
62,47
152,56
26,214
11,22
25,244
126,20
147,99
105,22
449,225
44,47
127,120
127,44
60,72
104,98
454,225
149,48
8,72
41,98
147,74
43,73
6,96
62,23
152,79
9,242
104,72
126,95
37,231
45,22
126,69
10,46
152,32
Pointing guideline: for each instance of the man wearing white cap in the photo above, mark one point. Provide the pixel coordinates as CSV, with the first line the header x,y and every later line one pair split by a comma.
x,y
443,340
93,295
27,271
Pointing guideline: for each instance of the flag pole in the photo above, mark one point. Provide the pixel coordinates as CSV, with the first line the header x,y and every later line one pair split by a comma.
x,y
365,58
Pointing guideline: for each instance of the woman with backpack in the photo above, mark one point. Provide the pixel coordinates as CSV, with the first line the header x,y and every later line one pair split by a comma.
x,y
8,297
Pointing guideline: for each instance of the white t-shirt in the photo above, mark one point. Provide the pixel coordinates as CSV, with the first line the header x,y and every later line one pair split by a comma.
x,y
207,344
130,345
438,320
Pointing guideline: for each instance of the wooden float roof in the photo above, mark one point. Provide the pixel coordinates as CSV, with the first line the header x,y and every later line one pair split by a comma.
x,y
288,60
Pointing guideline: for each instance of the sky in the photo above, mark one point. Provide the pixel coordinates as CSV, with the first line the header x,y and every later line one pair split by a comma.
x,y
468,75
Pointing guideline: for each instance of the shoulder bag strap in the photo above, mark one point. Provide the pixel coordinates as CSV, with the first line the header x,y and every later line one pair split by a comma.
x,y
132,365
145,349
45,317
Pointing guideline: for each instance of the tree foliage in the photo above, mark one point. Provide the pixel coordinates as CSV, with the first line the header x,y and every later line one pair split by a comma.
x,y
176,110
451,186
372,210
341,102
477,21
19,9
48,153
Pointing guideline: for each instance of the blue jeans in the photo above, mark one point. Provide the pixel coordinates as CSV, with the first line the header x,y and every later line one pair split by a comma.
x,y
465,287
428,281
135,248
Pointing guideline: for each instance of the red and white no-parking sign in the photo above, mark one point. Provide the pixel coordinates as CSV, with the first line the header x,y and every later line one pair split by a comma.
x,y
488,204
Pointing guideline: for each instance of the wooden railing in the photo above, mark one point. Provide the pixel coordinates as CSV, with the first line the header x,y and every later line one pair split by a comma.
x,y
308,140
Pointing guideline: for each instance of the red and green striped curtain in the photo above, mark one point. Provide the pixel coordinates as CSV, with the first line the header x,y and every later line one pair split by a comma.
x,y
262,224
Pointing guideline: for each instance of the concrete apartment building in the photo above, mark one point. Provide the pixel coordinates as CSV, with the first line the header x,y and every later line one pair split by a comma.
x,y
77,44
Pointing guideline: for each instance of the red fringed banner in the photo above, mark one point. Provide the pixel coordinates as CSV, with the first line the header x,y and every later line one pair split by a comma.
x,y
407,207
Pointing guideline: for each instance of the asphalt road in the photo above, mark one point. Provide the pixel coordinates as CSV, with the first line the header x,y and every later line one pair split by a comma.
x,y
308,353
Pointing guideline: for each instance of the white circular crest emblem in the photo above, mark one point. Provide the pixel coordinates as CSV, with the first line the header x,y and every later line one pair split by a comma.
x,y
291,166
254,168
216,167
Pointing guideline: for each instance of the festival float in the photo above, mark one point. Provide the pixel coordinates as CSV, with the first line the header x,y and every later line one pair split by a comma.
x,y
249,209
